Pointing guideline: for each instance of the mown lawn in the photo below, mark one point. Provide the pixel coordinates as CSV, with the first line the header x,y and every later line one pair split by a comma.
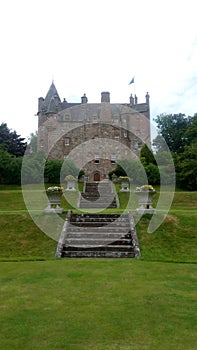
x,y
98,304
112,304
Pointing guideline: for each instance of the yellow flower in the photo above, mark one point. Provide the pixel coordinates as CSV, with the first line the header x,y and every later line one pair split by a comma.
x,y
55,189
145,188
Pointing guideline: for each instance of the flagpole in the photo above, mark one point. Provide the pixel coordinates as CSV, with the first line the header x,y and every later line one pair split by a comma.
x,y
133,82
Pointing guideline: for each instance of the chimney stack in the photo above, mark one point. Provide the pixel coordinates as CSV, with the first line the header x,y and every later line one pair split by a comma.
x,y
84,99
105,96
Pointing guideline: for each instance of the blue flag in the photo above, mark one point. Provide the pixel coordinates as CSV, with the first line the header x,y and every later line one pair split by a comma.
x,y
132,81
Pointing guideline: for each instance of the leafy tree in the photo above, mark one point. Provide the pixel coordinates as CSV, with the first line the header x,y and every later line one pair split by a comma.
x,y
11,141
52,171
152,173
33,168
32,142
132,168
163,158
56,170
5,158
191,132
160,144
146,155
186,167
172,127
69,168
10,168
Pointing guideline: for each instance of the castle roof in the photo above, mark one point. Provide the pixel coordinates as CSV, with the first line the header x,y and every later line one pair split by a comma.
x,y
88,111
52,92
52,104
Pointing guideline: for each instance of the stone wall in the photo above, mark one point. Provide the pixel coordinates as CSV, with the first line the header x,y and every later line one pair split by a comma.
x,y
94,135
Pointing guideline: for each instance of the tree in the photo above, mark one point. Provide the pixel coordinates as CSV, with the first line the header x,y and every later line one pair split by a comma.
x,y
33,168
32,142
191,132
172,128
10,168
152,173
146,155
69,168
52,171
186,167
56,170
132,168
11,141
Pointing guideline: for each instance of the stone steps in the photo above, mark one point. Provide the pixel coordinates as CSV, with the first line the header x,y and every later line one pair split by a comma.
x,y
97,235
98,195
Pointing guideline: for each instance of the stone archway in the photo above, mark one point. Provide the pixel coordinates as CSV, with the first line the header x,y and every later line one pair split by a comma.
x,y
97,176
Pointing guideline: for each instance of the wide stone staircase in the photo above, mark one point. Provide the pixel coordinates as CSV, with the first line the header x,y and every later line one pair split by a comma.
x,y
98,195
98,236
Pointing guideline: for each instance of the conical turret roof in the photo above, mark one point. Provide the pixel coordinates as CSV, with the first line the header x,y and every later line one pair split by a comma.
x,y
52,100
51,93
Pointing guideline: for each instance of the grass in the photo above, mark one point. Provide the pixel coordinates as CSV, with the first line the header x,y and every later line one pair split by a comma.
x,y
98,304
102,304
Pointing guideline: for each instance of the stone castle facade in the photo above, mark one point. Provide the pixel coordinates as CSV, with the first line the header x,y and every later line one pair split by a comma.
x,y
93,135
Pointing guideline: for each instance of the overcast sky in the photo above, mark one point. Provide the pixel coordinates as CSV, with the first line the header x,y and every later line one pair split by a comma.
x,y
89,46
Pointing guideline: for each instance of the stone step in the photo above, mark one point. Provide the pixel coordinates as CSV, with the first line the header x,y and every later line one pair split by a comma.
x,y
100,216
100,223
106,233
89,197
98,254
84,242
100,230
99,219
96,206
97,244
97,235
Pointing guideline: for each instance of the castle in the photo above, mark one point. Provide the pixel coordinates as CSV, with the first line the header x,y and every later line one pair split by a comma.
x,y
93,135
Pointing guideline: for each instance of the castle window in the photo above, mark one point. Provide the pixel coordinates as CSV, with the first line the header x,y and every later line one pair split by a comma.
x,y
94,119
117,138
113,158
96,159
67,141
116,120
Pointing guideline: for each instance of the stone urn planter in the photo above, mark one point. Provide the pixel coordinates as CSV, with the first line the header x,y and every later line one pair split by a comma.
x,y
124,184
71,183
145,194
54,195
